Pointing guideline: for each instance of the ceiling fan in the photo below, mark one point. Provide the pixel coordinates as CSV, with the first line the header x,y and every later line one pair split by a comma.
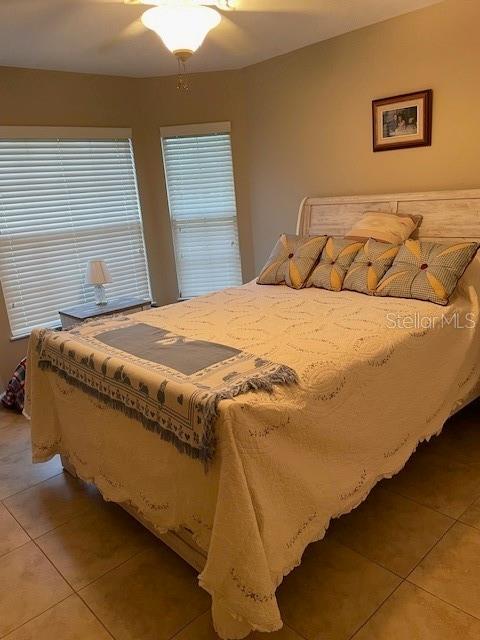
x,y
183,25
221,4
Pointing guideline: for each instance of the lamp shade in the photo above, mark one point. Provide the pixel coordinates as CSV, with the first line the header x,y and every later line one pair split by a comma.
x,y
183,27
97,272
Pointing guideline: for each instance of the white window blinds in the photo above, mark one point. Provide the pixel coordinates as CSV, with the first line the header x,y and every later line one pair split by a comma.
x,y
201,194
63,202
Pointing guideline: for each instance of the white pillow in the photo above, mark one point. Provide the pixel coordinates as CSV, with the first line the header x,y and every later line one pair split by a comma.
x,y
385,227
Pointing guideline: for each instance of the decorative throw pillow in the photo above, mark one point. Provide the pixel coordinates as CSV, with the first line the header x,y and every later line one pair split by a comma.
x,y
394,228
292,260
334,262
370,265
427,270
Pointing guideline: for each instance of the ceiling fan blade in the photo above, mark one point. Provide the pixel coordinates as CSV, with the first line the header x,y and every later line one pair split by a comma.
x,y
75,3
271,6
230,36
50,15
276,6
132,30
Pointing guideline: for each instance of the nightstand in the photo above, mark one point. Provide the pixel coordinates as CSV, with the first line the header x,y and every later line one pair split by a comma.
x,y
76,315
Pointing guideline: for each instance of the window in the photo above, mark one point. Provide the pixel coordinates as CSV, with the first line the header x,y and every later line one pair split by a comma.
x,y
201,195
65,199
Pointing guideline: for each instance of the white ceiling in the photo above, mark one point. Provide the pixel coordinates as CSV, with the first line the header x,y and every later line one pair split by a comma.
x,y
105,36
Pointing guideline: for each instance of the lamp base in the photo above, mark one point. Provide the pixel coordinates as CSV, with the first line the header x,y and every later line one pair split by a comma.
x,y
100,294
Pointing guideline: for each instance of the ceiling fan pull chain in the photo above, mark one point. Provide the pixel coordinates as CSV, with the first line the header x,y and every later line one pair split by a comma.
x,y
182,77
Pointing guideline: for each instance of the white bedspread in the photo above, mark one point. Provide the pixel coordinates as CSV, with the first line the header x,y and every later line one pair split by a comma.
x,y
285,464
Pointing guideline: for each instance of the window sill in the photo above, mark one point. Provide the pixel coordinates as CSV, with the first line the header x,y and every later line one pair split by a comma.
x,y
24,336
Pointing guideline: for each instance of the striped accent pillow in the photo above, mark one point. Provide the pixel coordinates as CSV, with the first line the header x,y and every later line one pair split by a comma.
x,y
292,260
335,261
427,270
370,265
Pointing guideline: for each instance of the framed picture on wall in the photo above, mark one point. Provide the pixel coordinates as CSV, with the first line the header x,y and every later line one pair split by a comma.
x,y
403,121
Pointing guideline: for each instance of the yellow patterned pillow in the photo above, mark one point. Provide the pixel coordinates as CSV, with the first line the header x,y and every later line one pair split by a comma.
x,y
334,262
427,270
292,260
370,265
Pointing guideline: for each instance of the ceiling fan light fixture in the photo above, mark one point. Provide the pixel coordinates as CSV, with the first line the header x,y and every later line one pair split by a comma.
x,y
182,28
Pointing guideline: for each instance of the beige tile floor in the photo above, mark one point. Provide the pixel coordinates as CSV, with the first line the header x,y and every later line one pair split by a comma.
x,y
404,566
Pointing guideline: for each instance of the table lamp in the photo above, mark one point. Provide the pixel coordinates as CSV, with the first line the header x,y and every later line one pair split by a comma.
x,y
98,275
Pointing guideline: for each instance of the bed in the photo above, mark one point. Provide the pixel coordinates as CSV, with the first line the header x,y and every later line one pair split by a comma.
x,y
374,380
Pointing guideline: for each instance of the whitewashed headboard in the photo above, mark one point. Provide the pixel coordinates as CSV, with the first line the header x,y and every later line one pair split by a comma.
x,y
446,214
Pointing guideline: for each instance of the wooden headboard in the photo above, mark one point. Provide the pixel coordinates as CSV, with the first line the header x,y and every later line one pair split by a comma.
x,y
446,214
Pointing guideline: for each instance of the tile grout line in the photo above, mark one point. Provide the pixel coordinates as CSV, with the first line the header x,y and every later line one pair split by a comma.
x,y
470,526
300,635
422,504
397,493
78,591
83,512
73,590
110,633
38,615
375,562
477,499
16,548
403,580
31,540
175,635
55,568
80,513
2,501
16,520
79,594
390,570
431,549
450,604
358,629
32,485
60,524
185,626
406,581
13,453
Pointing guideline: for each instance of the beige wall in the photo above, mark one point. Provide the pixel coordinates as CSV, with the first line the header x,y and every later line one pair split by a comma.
x,y
309,119
301,124
29,97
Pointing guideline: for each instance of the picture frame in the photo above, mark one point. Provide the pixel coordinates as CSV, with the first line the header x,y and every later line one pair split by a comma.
x,y
403,121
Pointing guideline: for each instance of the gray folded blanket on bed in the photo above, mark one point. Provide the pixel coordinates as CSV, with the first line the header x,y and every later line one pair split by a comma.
x,y
170,383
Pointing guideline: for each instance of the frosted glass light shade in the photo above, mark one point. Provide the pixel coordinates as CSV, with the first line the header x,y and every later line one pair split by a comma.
x,y
97,272
182,28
